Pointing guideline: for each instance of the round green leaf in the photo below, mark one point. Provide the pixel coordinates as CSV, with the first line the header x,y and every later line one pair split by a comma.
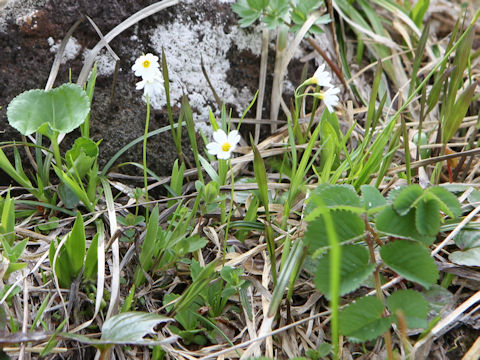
x,y
413,306
371,197
410,260
354,269
362,320
62,110
427,217
449,203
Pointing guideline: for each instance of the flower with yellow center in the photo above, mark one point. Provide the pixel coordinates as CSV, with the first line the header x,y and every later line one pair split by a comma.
x,y
329,97
146,66
223,144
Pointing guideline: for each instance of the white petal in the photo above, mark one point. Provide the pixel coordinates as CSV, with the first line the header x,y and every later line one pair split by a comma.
x,y
233,137
140,85
214,148
224,155
219,136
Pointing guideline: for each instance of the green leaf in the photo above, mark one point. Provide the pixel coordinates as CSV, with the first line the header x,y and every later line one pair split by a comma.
x,y
81,156
62,109
406,199
14,253
337,195
7,225
149,248
467,238
427,217
413,306
75,246
354,269
418,11
371,197
90,271
390,223
362,320
410,260
448,202
348,226
470,257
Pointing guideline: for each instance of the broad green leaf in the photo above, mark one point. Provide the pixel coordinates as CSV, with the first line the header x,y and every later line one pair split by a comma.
x,y
362,320
448,202
467,238
406,199
427,217
371,197
337,195
348,226
470,257
413,306
354,269
410,260
390,223
62,109
75,246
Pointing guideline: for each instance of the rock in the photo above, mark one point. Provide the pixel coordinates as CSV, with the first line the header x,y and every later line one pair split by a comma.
x,y
30,33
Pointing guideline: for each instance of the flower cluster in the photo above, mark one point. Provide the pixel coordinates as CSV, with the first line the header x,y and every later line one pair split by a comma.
x,y
322,78
148,68
223,144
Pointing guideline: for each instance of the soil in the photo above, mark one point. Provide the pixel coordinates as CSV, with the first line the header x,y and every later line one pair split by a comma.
x,y
26,59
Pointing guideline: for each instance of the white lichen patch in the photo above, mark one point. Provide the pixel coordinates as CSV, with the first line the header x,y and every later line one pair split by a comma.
x,y
71,49
105,62
185,44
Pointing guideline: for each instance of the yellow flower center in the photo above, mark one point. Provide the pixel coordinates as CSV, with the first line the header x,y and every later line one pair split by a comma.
x,y
226,146
146,64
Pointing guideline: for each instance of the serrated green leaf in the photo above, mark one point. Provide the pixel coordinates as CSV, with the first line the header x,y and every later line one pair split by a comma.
x,y
371,197
348,226
362,320
337,195
62,109
354,269
427,217
448,202
470,257
406,199
410,260
413,306
390,223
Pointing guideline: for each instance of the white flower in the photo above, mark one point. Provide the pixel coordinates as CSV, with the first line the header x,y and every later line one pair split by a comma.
x,y
223,145
321,77
146,66
152,84
329,97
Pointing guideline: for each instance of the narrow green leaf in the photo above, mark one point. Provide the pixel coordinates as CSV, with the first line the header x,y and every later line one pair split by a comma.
x,y
354,269
75,245
410,260
413,306
149,247
90,270
362,320
7,225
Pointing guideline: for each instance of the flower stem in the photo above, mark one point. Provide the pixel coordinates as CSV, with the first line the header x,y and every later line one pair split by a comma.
x,y
145,180
230,210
